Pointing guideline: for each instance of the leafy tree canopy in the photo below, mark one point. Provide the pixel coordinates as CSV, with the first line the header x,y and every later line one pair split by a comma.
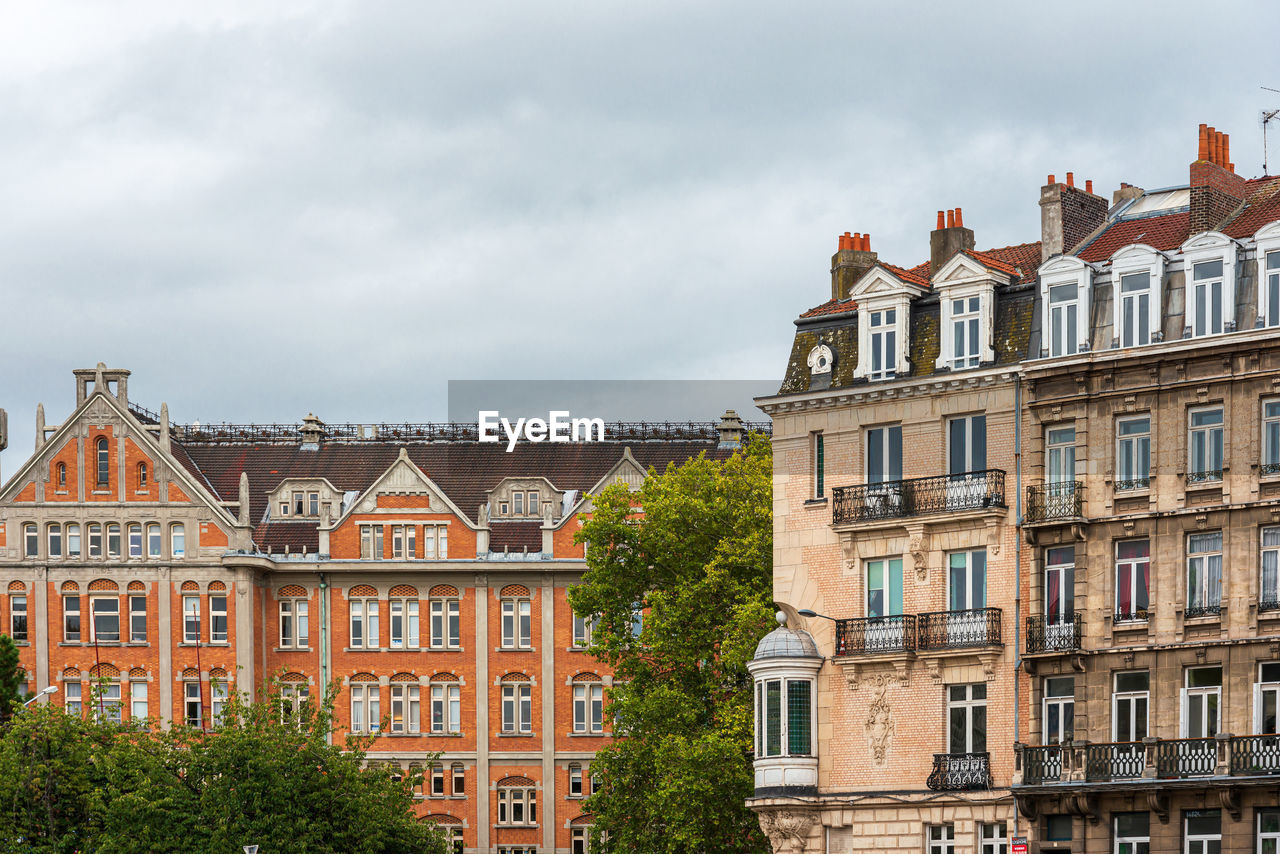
x,y
693,551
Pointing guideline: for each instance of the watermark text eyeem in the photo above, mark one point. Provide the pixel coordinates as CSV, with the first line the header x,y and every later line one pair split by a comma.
x,y
558,426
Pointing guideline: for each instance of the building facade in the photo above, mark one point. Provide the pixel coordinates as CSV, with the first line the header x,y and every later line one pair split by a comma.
x,y
150,570
1127,374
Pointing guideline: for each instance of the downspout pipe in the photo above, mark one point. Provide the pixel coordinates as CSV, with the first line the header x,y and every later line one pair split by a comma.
x,y
324,644
1017,569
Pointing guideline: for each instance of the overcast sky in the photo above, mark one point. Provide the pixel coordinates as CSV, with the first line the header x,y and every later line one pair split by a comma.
x,y
265,209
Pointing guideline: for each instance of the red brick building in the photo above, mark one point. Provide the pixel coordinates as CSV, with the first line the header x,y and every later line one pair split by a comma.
x,y
422,571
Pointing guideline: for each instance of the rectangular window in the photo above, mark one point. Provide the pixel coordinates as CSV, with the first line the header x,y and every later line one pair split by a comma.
x,y
219,691
967,718
364,623
404,623
1132,833
444,624
18,618
1059,587
138,701
294,632
313,504
1133,579
217,619
93,533
993,838
153,540
406,708
517,806
1060,455
1268,698
431,535
819,467
1133,453
75,697
108,706
437,781
1135,309
884,344
1203,831
1205,300
515,624
371,542
73,540
193,705
533,504
1269,825
1064,308
966,445
71,619
459,781
397,542
517,707
583,630
446,709
799,715
1201,702
1204,574
1059,709
191,619
884,454
967,580
1204,448
588,708
1273,289
1130,703
965,339
135,541
884,587
1057,828
31,541
517,503
575,781
55,540
772,718
106,619
178,540
366,707
1270,436
941,838
113,541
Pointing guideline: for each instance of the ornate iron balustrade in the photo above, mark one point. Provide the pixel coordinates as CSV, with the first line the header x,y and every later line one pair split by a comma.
x,y
1042,764
1255,754
876,634
958,629
1211,610
1114,761
284,434
919,496
1133,483
1057,635
1269,468
1269,602
954,772
1055,501
1137,615
1186,757
1207,476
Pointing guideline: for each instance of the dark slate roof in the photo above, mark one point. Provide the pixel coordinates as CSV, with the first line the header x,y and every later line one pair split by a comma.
x,y
515,536
464,471
292,537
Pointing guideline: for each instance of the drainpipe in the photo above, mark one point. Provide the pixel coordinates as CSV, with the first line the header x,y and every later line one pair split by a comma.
x,y
1017,564
324,645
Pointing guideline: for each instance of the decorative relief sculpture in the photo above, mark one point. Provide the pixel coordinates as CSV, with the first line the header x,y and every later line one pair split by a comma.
x,y
787,830
880,724
821,359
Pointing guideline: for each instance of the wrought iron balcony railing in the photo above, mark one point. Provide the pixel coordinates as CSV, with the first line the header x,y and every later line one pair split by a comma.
x,y
919,496
1237,756
958,629
1269,468
1269,602
1054,634
876,634
954,772
1128,483
1208,609
1136,615
1055,501
1206,476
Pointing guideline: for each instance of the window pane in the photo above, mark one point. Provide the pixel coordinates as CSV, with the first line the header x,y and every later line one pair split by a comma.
x,y
798,718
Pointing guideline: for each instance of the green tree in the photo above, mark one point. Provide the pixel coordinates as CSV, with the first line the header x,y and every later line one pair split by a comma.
x,y
12,677
693,550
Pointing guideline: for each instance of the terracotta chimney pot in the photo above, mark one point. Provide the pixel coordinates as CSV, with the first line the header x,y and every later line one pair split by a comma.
x,y
951,218
1071,179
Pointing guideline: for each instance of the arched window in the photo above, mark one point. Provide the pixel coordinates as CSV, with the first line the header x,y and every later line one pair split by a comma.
x,y
366,707
588,703
62,475
517,801
446,705
104,463
142,475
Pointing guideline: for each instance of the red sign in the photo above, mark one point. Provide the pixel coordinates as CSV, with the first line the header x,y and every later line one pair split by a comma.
x,y
1019,845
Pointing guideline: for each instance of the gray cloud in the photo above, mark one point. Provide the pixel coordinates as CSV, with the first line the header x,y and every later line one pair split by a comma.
x,y
267,209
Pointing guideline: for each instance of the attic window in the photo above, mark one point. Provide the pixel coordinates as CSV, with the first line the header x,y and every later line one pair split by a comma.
x,y
965,338
1065,286
884,351
1211,285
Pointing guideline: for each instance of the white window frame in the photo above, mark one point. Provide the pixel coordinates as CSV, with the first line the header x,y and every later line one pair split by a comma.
x,y
940,838
133,535
1062,703
155,541
68,635
1207,591
74,702
1267,836
1191,695
366,706
192,700
517,806
55,539
407,698
219,696
30,540
409,634
588,707
138,700
445,613
961,278
1270,423
1210,246
964,315
1128,260
217,610
1066,270
93,618
363,611
435,542
1269,594
1208,430
517,707
1267,242
1136,440
1130,841
1199,843
109,704
517,622
1268,684
1132,697
446,707
298,610
191,630
73,543
584,631
136,614
880,290
883,325
93,539
575,780
19,625
993,838
177,541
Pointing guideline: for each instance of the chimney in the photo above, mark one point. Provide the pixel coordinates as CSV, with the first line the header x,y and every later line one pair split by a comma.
x,y
851,262
312,432
1068,215
1216,189
947,241
1126,191
730,429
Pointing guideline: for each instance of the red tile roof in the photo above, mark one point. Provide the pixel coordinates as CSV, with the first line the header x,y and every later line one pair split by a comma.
x,y
835,306
907,275
1165,232
1261,207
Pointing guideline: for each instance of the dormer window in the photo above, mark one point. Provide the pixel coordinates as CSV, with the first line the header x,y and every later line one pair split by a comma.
x,y
1210,289
1064,319
884,352
1268,242
1065,284
1137,274
965,338
1135,310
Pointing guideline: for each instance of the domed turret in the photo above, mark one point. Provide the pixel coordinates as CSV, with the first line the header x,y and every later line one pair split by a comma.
x,y
784,669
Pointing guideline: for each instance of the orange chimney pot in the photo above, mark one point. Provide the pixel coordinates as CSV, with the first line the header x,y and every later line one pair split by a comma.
x,y
959,218
1088,186
1053,179
1226,149
951,218
941,223
1071,179
1203,153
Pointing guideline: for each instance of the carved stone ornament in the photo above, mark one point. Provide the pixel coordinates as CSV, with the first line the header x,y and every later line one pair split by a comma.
x,y
919,554
880,724
787,829
821,359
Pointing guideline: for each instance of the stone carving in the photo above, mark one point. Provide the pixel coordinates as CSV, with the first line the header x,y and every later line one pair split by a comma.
x,y
786,829
821,359
918,554
880,724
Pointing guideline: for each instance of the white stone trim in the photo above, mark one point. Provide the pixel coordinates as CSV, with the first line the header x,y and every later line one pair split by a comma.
x,y
878,290
961,278
1135,258
1267,239
1211,246
1066,270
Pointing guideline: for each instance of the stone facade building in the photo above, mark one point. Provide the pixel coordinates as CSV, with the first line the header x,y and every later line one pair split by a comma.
x,y
148,569
1127,368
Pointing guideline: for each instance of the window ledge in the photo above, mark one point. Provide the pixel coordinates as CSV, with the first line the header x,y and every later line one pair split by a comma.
x,y
203,644
601,734
445,734
401,734
293,649
137,643
815,502
583,649
515,649
497,826
516,734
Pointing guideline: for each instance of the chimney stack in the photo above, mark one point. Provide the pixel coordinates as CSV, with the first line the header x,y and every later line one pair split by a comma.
x,y
851,262
1068,215
1216,189
947,242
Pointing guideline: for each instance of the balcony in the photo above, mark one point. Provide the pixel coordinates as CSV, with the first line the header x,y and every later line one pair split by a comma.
x,y
941,630
921,496
872,635
1206,609
1150,759
959,772
1132,483
1045,634
1206,476
1055,502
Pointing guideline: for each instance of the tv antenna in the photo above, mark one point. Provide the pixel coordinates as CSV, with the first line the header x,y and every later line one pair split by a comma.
x,y
1267,117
